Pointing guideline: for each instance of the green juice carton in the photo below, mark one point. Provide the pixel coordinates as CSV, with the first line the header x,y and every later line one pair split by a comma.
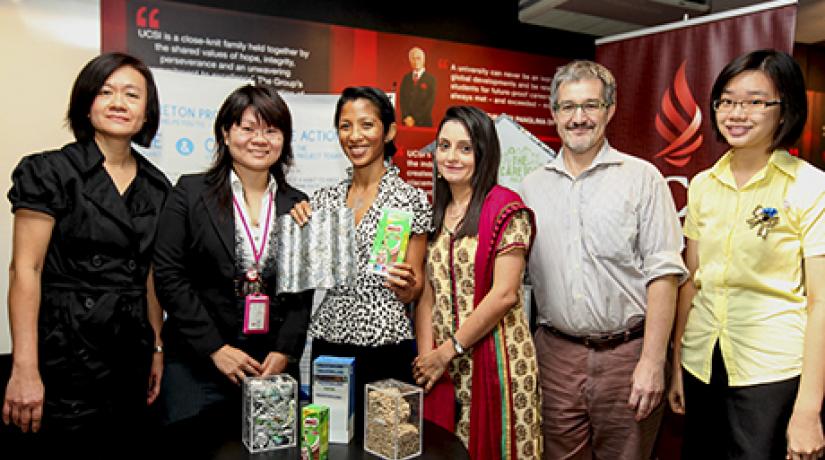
x,y
390,244
315,432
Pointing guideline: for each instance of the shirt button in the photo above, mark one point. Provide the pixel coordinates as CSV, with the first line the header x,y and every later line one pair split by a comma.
x,y
89,303
97,260
131,264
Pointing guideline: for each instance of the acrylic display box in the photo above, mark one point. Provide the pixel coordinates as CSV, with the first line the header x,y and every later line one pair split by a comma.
x,y
393,415
270,406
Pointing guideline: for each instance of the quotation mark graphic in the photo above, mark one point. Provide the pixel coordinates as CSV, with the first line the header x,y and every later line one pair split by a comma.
x,y
141,18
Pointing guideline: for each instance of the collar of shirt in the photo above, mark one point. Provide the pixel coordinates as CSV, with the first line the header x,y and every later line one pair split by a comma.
x,y
392,171
256,233
780,160
87,156
237,186
607,155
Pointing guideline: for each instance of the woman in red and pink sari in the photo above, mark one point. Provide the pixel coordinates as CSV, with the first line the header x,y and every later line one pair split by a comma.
x,y
470,320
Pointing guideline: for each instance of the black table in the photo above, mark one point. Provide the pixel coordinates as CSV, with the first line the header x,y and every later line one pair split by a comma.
x,y
439,444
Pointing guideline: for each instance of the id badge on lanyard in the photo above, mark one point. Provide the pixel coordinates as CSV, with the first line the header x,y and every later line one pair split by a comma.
x,y
256,314
256,303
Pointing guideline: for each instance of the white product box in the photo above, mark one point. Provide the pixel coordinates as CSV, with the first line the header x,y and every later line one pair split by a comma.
x,y
333,385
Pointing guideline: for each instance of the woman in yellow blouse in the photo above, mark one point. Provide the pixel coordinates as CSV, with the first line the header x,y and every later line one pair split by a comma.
x,y
749,334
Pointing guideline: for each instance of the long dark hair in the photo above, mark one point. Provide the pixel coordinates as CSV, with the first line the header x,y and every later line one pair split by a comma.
x,y
381,102
273,111
487,156
787,78
87,86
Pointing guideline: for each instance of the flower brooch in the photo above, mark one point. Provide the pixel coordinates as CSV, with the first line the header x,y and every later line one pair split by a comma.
x,y
764,219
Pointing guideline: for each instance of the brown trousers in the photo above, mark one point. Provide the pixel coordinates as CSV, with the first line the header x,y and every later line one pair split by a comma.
x,y
585,395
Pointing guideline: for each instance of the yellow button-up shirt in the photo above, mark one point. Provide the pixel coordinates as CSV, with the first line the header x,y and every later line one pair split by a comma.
x,y
751,291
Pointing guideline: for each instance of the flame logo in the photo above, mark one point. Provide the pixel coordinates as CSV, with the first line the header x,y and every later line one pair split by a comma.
x,y
684,140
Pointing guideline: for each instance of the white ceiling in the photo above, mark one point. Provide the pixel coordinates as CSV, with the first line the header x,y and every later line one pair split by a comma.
x,y
609,17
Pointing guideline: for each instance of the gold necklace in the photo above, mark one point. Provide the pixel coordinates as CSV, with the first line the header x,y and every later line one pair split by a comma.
x,y
457,211
360,201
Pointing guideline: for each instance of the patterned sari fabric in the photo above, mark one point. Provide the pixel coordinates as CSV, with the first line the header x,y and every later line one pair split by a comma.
x,y
502,366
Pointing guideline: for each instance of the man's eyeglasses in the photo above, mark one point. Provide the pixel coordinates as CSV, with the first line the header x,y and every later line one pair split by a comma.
x,y
725,105
567,109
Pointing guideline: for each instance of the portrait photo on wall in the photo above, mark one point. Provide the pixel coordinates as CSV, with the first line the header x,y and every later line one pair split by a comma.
x,y
416,95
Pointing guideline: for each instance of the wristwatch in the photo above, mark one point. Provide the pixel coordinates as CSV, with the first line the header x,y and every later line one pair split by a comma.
x,y
158,348
459,349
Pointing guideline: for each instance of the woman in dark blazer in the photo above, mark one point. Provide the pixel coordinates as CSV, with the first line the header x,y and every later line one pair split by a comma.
x,y
214,253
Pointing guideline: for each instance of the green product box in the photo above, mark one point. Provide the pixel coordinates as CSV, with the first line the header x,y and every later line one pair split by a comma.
x,y
314,432
391,238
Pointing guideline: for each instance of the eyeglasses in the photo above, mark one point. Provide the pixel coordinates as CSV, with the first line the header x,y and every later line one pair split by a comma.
x,y
748,105
269,133
589,107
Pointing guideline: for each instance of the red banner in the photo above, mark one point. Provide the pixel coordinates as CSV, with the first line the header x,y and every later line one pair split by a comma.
x,y
664,81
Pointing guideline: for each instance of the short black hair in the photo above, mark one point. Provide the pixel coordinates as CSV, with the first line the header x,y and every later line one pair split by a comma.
x,y
268,104
487,157
381,102
87,86
786,76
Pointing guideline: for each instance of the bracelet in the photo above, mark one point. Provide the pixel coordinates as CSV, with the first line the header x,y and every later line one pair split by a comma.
x,y
459,349
158,348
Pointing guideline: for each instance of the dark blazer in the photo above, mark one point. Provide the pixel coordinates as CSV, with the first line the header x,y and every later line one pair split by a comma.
x,y
196,279
417,98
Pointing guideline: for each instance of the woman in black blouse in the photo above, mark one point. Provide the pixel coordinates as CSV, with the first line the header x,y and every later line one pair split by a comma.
x,y
84,319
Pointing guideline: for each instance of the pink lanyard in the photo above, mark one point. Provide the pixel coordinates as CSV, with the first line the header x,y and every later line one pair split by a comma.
x,y
255,252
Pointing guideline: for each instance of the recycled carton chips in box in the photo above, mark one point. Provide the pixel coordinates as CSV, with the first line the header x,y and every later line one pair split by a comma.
x,y
270,412
393,419
315,432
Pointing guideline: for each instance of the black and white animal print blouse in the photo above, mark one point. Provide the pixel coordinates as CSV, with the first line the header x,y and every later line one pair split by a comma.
x,y
366,313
